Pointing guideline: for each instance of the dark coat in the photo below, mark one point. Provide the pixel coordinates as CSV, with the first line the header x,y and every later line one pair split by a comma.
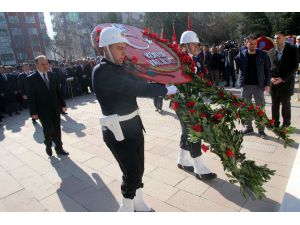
x,y
43,101
285,68
22,83
262,67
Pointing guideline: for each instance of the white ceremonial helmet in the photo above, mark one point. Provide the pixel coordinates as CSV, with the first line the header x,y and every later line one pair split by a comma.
x,y
189,37
111,35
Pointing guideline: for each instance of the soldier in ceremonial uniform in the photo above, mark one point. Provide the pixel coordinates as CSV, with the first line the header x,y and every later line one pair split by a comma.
x,y
189,41
116,91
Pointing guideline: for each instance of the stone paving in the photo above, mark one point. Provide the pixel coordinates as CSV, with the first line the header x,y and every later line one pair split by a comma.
x,y
89,179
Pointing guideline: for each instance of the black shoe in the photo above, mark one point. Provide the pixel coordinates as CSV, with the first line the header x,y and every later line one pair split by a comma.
x,y
248,131
186,168
151,210
207,176
49,151
262,135
64,113
61,151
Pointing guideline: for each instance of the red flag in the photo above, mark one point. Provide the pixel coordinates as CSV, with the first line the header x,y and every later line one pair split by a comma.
x,y
162,34
189,22
174,39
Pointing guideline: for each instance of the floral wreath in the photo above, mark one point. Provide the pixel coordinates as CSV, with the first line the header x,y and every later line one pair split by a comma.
x,y
217,125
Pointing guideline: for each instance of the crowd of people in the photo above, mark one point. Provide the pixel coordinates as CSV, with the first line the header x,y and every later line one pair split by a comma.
x,y
74,79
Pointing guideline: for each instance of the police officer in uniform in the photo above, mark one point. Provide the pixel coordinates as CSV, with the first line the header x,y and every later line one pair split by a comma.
x,y
189,41
116,91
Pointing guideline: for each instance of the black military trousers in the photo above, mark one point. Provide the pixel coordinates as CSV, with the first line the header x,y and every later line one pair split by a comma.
x,y
285,102
129,154
158,102
52,130
193,148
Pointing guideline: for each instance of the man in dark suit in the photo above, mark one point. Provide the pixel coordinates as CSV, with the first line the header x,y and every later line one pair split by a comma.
x,y
22,87
284,64
45,103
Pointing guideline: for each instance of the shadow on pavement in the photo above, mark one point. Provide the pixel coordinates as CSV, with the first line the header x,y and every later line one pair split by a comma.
x,y
71,126
38,133
88,193
2,136
232,193
290,203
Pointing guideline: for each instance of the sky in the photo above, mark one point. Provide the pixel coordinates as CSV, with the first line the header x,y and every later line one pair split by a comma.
x,y
49,24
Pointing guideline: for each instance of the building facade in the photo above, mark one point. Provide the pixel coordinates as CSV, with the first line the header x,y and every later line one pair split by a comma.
x,y
23,36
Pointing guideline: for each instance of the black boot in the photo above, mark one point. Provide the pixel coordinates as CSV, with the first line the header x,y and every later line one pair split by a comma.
x,y
49,151
61,151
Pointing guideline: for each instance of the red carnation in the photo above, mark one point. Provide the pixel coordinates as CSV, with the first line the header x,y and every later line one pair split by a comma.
x,y
229,153
222,94
201,75
251,107
192,111
272,122
234,97
98,30
202,115
204,148
197,128
243,104
134,59
257,108
146,31
236,104
187,59
175,105
205,70
209,83
192,68
190,104
260,113
218,116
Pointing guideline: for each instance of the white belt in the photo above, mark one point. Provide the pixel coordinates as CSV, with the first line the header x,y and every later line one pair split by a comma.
x,y
129,116
112,122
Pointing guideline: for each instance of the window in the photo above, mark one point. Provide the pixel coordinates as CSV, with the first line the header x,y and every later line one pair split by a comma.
x,y
13,19
35,43
22,56
30,19
16,31
19,43
2,20
3,33
7,57
32,31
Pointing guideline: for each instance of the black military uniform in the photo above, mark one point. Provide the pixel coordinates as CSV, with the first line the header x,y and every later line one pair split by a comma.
x,y
116,91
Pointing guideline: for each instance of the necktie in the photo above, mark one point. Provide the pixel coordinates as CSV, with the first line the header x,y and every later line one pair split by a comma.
x,y
46,80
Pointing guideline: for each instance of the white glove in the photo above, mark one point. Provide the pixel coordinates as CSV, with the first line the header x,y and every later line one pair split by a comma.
x,y
172,89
